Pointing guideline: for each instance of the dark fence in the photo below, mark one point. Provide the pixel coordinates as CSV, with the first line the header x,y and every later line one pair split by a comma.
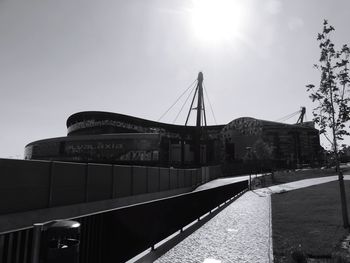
x,y
28,185
16,246
120,234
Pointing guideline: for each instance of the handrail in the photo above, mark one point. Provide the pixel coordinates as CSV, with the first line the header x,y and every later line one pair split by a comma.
x,y
121,233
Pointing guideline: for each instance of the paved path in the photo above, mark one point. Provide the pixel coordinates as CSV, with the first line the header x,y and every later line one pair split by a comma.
x,y
224,181
299,184
240,233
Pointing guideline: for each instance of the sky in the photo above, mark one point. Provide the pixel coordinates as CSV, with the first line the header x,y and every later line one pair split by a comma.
x,y
136,57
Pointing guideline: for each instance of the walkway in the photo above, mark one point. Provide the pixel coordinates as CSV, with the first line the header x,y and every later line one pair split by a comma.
x,y
240,233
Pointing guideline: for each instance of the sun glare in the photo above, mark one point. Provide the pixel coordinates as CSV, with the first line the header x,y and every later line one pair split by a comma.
x,y
216,21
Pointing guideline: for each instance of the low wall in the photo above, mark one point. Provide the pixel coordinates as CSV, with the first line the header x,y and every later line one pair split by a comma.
x,y
116,235
28,184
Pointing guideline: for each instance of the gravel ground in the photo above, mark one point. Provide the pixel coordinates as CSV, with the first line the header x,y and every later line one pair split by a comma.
x,y
241,232
229,237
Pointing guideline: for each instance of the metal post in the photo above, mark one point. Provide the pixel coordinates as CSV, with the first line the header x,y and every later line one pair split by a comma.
x,y
113,184
37,229
86,183
49,203
250,181
198,133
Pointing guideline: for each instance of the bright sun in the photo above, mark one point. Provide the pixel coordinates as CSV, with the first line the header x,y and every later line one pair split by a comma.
x,y
216,21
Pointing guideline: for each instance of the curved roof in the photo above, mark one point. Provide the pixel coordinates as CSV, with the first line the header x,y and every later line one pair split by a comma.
x,y
252,126
92,119
90,138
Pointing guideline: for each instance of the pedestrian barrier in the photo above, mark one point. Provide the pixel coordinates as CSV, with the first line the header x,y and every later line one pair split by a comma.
x,y
16,246
119,234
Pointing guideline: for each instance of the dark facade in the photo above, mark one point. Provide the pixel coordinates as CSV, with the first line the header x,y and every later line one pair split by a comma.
x,y
104,137
290,143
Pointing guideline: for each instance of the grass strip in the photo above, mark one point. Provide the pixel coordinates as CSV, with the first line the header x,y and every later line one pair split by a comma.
x,y
308,220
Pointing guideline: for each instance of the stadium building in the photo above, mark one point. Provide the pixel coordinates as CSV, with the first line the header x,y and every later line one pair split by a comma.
x,y
104,137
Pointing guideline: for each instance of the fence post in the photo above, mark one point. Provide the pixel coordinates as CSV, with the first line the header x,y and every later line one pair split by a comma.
x,y
169,185
50,184
132,179
147,179
37,229
159,179
86,182
113,183
177,179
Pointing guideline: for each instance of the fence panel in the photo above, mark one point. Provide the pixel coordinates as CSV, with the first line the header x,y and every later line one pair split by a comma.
x,y
188,178
68,183
203,175
164,179
193,177
173,178
28,179
139,180
16,246
119,234
153,179
99,182
123,233
181,178
122,180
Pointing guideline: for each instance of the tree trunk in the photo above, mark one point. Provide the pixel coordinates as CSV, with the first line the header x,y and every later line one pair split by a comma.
x,y
343,200
344,206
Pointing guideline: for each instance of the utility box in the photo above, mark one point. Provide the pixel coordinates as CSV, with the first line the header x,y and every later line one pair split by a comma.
x,y
59,242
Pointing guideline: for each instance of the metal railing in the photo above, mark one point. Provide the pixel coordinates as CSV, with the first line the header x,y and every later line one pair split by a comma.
x,y
16,246
119,234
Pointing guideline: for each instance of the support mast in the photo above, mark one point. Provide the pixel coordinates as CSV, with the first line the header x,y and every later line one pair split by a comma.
x,y
301,117
197,135
200,100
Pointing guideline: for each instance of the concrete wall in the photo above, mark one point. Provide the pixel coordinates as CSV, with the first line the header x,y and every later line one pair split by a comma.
x,y
28,185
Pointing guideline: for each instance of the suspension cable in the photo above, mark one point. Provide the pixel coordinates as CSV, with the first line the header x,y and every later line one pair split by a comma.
x,y
191,107
176,100
211,108
289,116
183,105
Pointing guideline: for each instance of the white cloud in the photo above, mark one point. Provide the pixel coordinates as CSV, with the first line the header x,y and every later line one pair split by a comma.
x,y
295,23
273,7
